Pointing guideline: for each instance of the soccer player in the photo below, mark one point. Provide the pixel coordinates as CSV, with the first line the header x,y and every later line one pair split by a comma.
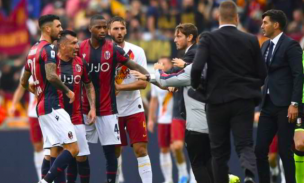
x,y
55,122
35,131
103,55
73,73
163,99
131,116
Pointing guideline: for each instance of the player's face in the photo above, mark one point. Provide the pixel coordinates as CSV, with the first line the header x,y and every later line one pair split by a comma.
x,y
268,27
99,29
180,40
166,63
118,32
71,46
56,29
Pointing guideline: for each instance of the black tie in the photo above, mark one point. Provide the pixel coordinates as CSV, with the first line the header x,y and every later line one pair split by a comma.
x,y
269,55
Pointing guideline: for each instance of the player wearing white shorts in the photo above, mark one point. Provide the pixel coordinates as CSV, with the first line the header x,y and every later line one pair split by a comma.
x,y
131,116
55,123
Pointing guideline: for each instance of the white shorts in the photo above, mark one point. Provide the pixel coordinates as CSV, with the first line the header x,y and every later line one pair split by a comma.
x,y
57,129
105,128
81,141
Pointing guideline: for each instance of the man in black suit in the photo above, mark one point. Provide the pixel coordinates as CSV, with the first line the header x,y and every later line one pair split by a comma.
x,y
235,74
282,93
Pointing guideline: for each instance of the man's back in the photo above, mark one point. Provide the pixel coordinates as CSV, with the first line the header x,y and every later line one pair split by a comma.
x,y
235,66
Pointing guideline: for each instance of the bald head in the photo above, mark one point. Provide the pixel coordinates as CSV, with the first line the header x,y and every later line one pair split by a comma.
x,y
228,12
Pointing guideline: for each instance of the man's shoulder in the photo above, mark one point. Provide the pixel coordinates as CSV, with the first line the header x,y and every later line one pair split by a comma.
x,y
133,47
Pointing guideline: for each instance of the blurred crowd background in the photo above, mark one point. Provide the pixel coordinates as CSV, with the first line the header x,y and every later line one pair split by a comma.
x,y
150,24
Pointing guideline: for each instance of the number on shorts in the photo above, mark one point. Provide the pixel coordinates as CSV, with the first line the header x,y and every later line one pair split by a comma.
x,y
116,128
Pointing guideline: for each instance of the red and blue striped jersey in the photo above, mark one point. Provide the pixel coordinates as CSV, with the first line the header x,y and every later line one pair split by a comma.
x,y
102,65
73,74
48,96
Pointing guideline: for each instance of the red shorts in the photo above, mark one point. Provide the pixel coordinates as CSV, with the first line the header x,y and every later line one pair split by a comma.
x,y
136,127
164,135
35,131
178,128
274,145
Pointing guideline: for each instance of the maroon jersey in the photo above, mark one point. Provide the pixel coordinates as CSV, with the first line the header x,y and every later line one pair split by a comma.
x,y
48,96
102,65
73,74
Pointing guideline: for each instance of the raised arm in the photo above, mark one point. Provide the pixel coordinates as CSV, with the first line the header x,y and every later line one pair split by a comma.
x,y
182,78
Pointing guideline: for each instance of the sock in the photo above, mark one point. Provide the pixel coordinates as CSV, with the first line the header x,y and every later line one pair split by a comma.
x,y
72,171
58,166
60,178
145,169
45,167
182,170
274,170
192,178
299,162
283,180
119,175
166,166
84,171
38,160
111,163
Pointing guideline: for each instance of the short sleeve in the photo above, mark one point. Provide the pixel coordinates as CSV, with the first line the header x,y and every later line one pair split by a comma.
x,y
49,54
121,55
85,75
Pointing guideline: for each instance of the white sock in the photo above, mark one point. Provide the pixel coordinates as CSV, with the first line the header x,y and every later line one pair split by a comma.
x,y
282,172
42,181
182,169
119,174
274,171
38,159
166,166
145,169
192,177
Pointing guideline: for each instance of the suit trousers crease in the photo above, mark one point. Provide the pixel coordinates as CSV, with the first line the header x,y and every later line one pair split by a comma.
x,y
198,148
235,116
273,120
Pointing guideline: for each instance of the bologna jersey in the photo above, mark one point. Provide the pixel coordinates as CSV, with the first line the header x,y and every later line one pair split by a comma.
x,y
102,64
129,102
165,104
48,96
73,74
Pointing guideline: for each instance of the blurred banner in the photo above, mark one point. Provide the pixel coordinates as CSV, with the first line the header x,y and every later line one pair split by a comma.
x,y
14,36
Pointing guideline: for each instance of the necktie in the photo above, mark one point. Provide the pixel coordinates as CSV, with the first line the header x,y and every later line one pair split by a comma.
x,y
269,55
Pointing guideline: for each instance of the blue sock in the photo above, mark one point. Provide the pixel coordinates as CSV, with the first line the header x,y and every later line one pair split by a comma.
x,y
46,164
111,165
58,166
84,171
60,178
72,171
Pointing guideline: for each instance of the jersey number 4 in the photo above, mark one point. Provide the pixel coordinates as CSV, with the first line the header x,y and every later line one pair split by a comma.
x,y
116,129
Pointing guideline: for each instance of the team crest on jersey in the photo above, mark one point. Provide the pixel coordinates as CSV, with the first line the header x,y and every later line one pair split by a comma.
x,y
78,68
70,134
107,55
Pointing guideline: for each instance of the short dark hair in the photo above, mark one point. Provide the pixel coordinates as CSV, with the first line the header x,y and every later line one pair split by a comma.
x,y
46,19
96,17
65,33
276,16
228,10
117,19
187,29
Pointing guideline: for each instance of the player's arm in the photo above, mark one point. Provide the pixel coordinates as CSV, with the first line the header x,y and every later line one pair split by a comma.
x,y
24,81
89,87
17,96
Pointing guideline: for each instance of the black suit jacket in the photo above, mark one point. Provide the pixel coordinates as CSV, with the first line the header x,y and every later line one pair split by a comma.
x,y
285,72
236,68
179,109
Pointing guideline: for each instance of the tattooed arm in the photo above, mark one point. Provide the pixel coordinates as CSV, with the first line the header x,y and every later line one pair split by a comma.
x,y
24,80
89,87
52,77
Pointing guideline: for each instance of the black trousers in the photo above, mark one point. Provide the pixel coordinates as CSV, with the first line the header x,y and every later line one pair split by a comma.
x,y
273,120
198,147
235,116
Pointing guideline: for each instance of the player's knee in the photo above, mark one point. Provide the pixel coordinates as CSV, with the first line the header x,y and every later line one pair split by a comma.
x,y
177,146
47,157
165,150
72,148
38,146
140,151
81,158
